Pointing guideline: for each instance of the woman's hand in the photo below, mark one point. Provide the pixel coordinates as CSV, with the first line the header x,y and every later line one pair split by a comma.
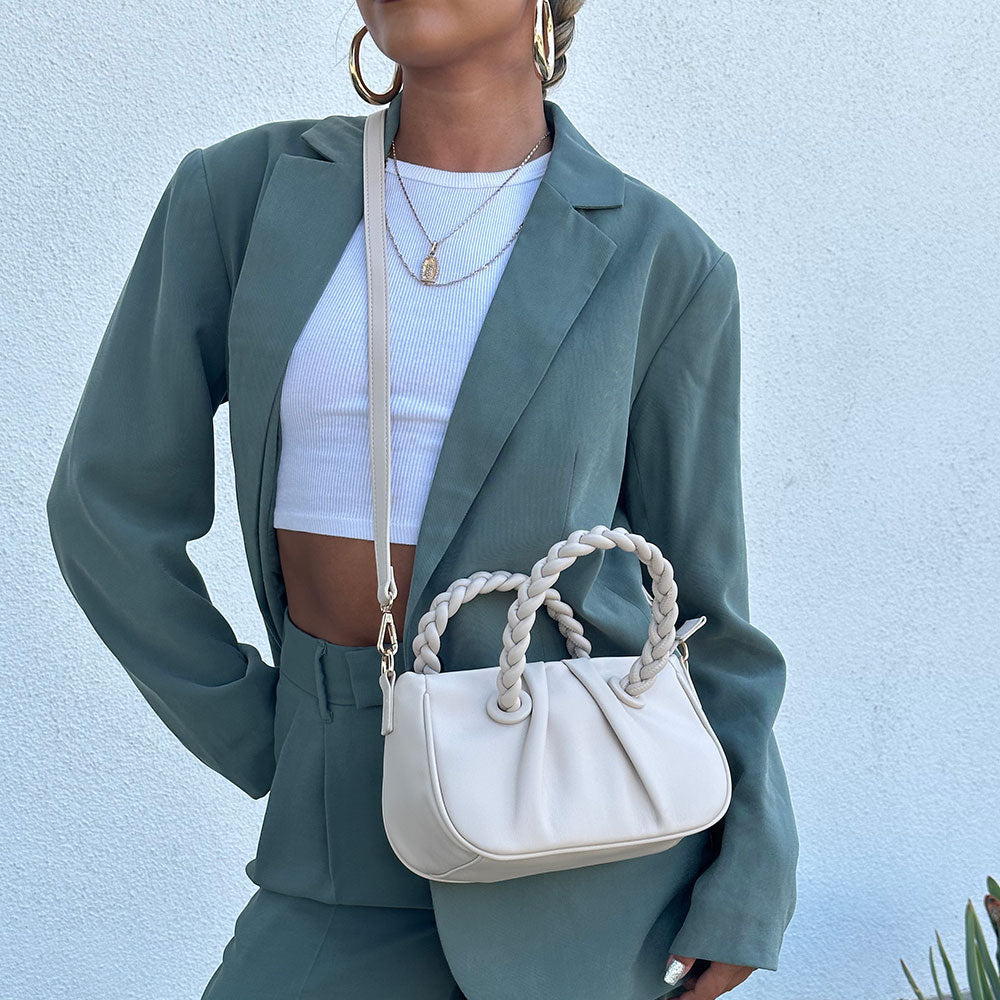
x,y
716,979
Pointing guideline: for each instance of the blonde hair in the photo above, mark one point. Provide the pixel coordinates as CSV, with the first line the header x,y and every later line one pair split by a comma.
x,y
563,22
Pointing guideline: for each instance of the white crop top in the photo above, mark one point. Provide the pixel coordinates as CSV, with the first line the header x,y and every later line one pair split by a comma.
x,y
324,475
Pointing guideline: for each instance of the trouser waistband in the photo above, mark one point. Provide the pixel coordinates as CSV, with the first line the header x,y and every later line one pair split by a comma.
x,y
333,674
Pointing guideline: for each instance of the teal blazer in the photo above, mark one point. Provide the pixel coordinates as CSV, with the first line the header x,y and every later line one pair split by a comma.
x,y
603,389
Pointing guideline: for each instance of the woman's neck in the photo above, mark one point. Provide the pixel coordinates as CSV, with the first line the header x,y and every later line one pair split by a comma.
x,y
465,132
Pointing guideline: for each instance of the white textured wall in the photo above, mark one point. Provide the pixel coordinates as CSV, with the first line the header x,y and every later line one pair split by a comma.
x,y
845,154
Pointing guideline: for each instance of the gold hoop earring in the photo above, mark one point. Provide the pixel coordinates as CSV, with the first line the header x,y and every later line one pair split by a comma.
x,y
354,64
544,41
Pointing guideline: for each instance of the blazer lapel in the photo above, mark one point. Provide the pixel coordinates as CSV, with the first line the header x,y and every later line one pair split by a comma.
x,y
309,212
306,217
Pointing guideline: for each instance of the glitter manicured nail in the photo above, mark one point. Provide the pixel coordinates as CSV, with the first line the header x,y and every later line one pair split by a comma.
x,y
674,972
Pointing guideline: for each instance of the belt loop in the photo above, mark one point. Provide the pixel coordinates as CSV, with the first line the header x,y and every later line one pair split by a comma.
x,y
321,696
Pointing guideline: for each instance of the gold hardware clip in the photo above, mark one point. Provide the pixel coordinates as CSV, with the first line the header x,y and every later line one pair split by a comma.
x,y
387,677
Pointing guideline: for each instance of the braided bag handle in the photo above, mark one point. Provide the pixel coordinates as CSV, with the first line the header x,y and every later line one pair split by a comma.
x,y
427,642
660,643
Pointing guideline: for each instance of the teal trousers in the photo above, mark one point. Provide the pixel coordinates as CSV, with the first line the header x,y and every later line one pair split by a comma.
x,y
322,836
336,914
291,948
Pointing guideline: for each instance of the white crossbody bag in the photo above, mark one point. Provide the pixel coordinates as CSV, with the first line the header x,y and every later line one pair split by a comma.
x,y
492,773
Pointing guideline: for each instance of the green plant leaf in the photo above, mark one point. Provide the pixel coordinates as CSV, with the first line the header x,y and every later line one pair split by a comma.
x,y
989,972
993,887
956,991
977,984
937,982
912,981
977,988
990,993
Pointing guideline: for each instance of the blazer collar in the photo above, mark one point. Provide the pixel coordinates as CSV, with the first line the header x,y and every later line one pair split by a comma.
x,y
575,169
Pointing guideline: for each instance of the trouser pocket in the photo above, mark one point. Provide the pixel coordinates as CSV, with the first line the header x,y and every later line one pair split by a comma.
x,y
322,834
292,855
364,867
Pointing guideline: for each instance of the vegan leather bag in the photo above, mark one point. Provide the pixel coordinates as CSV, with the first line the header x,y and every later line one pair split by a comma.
x,y
492,773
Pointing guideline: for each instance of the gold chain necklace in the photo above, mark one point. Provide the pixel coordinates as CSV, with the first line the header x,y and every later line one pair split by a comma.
x,y
429,266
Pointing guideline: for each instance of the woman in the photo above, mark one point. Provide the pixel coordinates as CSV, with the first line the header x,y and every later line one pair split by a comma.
x,y
565,352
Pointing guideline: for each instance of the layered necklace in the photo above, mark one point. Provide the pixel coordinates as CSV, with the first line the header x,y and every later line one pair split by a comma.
x,y
429,267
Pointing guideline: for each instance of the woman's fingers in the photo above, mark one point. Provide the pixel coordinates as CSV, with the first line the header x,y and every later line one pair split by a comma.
x,y
716,979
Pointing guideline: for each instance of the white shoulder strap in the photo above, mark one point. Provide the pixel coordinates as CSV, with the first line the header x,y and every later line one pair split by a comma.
x,y
378,345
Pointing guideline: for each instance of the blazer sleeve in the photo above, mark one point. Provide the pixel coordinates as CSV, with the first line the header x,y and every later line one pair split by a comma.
x,y
135,482
683,491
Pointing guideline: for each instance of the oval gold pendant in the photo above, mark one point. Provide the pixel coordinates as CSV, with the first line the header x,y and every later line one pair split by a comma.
x,y
429,269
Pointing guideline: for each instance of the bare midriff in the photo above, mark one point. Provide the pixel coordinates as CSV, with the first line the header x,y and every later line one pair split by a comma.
x,y
331,585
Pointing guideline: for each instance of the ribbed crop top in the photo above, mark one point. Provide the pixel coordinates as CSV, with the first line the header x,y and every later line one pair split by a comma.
x,y
324,477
